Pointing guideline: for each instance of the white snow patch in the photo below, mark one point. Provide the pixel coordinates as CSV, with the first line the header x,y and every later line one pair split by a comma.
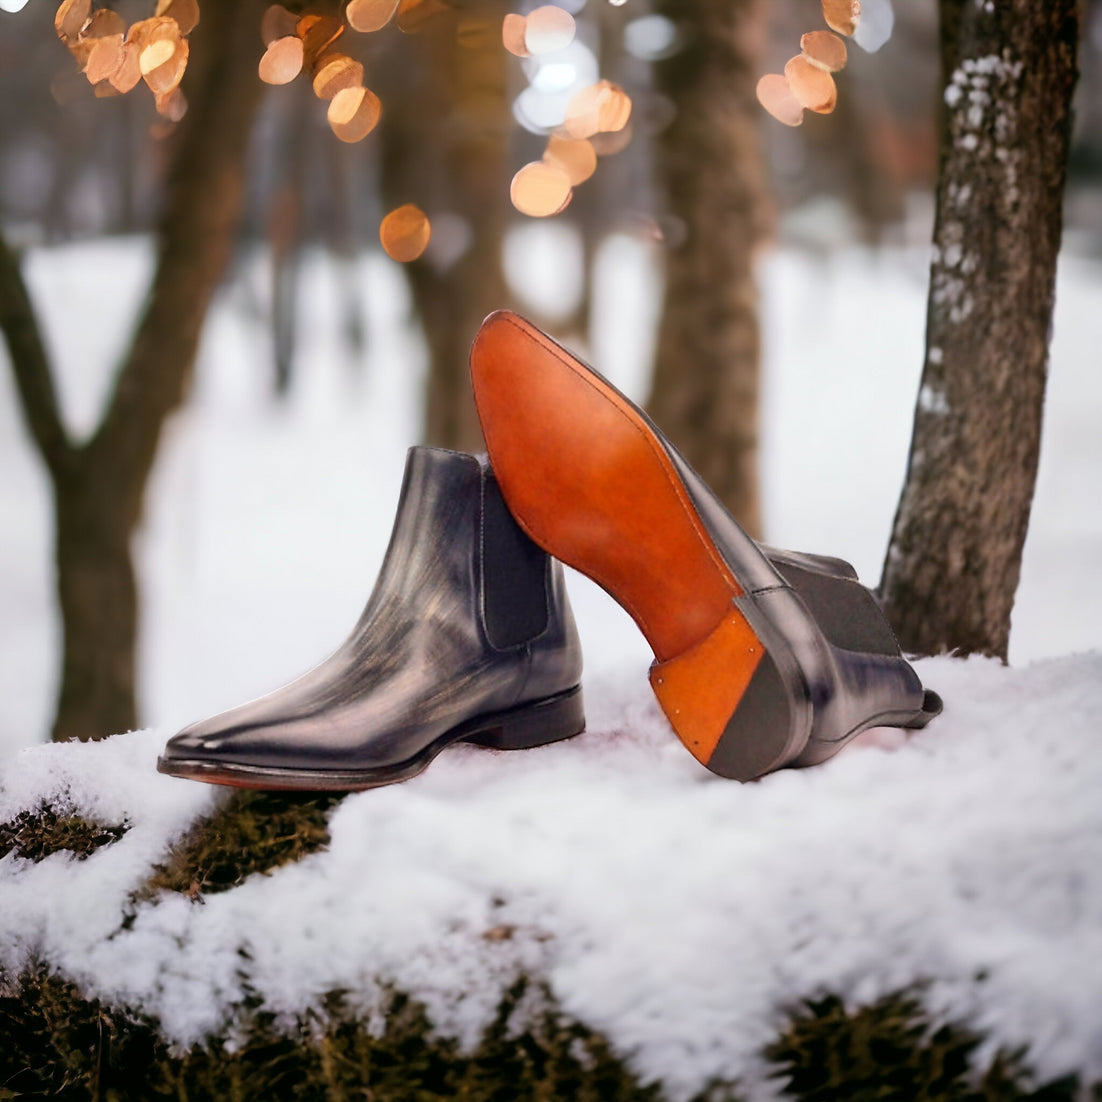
x,y
932,400
976,87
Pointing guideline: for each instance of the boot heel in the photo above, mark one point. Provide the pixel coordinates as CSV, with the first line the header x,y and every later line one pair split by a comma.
x,y
735,703
550,720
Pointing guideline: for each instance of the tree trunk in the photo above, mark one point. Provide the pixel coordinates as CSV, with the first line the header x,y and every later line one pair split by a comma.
x,y
445,148
98,487
952,567
99,609
707,369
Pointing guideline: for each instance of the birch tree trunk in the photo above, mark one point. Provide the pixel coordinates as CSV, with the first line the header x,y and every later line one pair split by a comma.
x,y
952,567
707,368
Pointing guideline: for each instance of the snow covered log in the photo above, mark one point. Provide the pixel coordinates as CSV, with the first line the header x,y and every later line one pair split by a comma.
x,y
595,920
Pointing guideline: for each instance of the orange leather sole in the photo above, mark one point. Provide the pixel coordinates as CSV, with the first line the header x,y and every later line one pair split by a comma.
x,y
586,477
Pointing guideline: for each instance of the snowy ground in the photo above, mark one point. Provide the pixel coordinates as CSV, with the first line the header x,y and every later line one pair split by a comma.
x,y
683,912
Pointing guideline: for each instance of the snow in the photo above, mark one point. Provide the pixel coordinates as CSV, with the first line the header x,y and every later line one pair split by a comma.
x,y
675,911
679,913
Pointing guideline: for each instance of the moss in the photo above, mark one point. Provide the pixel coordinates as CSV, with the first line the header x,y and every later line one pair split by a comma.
x,y
34,835
889,1051
250,832
56,1043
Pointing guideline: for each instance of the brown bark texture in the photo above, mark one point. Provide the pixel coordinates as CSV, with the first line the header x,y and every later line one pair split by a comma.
x,y
952,567
99,485
707,368
445,147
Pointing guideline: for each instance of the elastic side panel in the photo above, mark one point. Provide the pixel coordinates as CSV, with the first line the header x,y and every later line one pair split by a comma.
x,y
847,613
514,575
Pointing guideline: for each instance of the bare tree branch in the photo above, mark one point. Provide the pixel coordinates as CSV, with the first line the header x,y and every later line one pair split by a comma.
x,y
99,500
195,236
30,363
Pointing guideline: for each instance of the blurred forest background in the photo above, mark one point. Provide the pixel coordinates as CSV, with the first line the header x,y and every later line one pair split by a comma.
x,y
74,166
460,116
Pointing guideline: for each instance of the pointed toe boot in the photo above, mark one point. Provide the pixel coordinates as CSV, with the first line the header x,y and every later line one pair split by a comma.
x,y
762,658
467,637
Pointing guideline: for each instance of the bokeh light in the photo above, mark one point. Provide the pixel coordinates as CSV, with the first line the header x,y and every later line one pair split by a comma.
x,y
404,233
353,113
576,157
336,74
370,15
824,49
282,60
651,37
776,97
812,86
540,189
548,29
842,16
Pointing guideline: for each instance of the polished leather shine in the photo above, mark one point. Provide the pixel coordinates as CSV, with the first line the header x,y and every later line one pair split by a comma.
x,y
422,668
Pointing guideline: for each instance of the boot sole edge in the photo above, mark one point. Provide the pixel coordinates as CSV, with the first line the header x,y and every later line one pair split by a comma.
x,y
527,726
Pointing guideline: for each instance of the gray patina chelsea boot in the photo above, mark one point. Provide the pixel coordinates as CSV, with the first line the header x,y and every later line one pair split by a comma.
x,y
467,637
762,658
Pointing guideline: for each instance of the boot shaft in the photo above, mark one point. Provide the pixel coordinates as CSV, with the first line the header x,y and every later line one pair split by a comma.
x,y
457,554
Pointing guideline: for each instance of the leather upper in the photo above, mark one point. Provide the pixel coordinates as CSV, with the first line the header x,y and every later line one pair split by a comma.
x,y
420,660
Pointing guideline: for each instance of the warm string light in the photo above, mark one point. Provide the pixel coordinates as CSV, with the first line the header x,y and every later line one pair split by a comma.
x,y
405,233
116,57
366,16
545,187
807,82
307,44
842,16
